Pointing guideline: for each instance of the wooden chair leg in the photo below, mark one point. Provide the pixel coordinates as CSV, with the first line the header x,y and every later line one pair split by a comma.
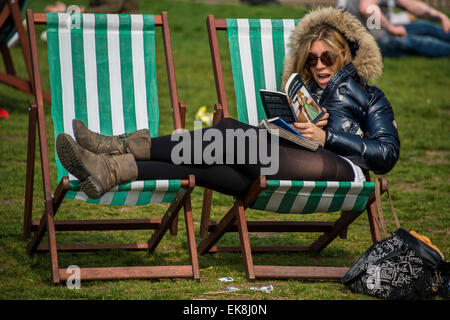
x,y
30,172
167,219
174,226
340,225
245,240
373,223
226,222
9,66
52,244
230,217
343,234
190,233
47,224
171,213
4,14
206,213
23,38
50,206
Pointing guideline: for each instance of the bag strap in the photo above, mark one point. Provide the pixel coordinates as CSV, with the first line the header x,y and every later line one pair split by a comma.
x,y
379,206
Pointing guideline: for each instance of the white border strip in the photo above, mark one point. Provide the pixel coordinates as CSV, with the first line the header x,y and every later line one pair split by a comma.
x,y
90,72
247,70
140,90
267,54
115,75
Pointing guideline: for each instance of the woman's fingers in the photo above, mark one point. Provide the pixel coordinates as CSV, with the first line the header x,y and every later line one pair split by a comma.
x,y
310,131
324,119
321,123
305,128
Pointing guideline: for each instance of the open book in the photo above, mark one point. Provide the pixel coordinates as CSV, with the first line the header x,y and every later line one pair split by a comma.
x,y
296,105
284,130
284,109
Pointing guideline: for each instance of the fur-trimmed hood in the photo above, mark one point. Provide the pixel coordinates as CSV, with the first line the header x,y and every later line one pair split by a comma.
x,y
367,56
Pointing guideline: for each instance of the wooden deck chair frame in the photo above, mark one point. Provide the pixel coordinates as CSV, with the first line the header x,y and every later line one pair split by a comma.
x,y
48,224
9,77
235,221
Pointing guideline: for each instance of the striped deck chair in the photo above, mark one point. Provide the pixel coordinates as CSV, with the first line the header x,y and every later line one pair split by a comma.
x,y
103,71
11,22
257,49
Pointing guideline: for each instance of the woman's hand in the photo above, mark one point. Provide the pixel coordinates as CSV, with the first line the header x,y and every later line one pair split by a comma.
x,y
310,131
324,120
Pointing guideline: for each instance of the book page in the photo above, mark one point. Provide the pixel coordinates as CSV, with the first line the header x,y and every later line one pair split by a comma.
x,y
302,100
276,104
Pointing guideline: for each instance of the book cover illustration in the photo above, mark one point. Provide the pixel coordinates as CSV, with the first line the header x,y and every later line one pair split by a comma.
x,y
304,106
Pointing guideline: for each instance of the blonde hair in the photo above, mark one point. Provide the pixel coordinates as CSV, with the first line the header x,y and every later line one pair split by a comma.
x,y
333,38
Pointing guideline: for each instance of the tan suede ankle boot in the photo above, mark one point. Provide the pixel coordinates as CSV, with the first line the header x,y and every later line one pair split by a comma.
x,y
98,173
137,143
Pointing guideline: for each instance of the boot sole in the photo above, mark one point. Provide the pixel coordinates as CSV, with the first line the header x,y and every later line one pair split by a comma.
x,y
70,159
91,188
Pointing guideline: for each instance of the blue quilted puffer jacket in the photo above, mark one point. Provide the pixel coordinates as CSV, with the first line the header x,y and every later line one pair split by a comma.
x,y
361,126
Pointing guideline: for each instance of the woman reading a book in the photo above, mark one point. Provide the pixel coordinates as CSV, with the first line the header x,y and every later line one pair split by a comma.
x,y
335,56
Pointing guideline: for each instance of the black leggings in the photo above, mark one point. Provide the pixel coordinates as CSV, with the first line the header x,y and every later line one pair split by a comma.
x,y
295,163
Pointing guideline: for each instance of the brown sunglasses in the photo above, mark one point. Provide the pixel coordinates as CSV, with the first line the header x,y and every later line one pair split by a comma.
x,y
328,58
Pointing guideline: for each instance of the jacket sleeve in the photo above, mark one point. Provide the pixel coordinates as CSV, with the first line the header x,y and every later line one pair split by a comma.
x,y
379,149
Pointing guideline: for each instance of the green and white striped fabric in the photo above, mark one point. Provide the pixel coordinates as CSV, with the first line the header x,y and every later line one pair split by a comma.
x,y
257,51
103,71
132,193
286,196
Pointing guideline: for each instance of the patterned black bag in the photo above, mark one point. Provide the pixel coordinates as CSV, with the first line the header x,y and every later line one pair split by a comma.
x,y
402,266
399,267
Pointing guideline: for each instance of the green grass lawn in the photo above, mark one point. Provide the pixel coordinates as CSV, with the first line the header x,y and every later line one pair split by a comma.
x,y
418,89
